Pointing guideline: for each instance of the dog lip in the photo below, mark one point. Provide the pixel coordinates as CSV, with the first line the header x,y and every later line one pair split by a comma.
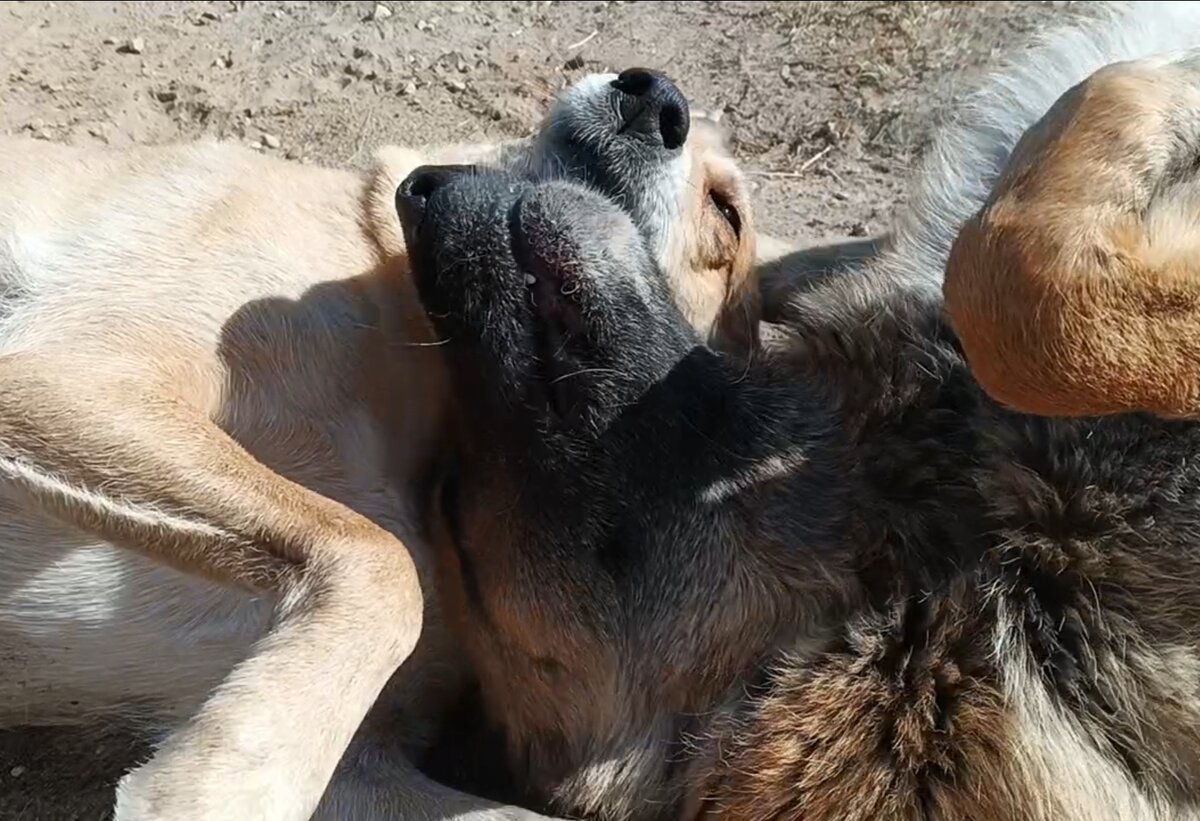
x,y
550,264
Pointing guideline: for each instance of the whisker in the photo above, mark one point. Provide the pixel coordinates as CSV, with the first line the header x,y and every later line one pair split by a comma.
x,y
581,372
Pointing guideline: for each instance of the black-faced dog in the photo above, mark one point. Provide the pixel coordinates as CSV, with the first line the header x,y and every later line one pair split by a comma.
x,y
835,581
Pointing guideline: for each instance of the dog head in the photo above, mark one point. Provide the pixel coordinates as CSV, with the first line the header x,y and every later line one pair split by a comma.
x,y
632,137
595,553
534,285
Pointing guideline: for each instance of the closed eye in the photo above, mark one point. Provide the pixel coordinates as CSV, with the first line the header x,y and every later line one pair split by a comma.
x,y
727,210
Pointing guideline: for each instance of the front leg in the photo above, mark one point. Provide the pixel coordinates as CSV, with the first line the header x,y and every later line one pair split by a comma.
x,y
118,455
377,781
416,759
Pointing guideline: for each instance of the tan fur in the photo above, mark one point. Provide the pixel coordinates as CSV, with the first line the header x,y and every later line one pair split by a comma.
x,y
220,400
840,739
1076,290
715,271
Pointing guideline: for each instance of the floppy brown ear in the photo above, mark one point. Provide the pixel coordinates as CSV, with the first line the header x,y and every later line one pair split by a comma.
x,y
737,326
1076,290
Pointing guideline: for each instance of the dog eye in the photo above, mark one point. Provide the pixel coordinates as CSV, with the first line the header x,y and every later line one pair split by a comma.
x,y
726,210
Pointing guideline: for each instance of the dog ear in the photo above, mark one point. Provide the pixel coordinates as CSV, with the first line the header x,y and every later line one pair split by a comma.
x,y
785,269
1075,291
737,329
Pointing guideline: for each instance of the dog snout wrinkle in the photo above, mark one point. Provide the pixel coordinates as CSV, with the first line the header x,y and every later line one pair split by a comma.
x,y
657,106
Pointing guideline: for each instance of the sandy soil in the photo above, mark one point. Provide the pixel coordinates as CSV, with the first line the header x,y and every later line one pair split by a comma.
x,y
829,104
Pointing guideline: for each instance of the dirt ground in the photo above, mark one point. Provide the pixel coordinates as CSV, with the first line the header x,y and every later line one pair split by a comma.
x,y
829,104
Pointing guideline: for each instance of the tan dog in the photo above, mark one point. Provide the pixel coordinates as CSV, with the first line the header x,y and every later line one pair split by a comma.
x,y
220,405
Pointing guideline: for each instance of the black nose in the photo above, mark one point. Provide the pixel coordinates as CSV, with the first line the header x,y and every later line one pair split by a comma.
x,y
656,106
415,190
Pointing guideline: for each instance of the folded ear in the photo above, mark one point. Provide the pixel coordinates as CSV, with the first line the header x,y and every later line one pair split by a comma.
x,y
1076,289
712,122
738,324
391,165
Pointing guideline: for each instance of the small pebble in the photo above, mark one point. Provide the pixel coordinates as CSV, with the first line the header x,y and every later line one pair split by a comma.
x,y
409,90
455,86
380,12
270,141
17,772
134,46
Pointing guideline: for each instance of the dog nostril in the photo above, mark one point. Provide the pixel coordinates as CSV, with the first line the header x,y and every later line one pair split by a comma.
x,y
657,105
635,81
426,179
416,189
673,121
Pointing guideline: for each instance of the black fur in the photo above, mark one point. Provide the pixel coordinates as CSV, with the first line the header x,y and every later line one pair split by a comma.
x,y
907,498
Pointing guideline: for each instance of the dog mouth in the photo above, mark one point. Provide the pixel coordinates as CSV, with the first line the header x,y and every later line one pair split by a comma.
x,y
509,265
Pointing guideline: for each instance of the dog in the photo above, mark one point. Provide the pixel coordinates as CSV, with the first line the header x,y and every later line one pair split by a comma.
x,y
221,405
836,580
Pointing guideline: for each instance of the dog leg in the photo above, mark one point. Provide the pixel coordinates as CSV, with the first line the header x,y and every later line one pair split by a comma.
x,y
379,783
1075,290
137,466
